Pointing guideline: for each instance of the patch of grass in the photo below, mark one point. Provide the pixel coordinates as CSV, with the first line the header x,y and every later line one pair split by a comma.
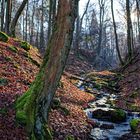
x,y
134,124
3,81
3,37
13,49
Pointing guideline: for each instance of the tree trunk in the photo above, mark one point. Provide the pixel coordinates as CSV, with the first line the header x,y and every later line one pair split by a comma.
x,y
8,16
15,19
32,24
52,12
116,36
129,30
35,104
26,23
42,29
102,11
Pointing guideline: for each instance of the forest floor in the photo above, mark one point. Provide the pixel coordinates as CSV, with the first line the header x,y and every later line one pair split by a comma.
x,y
130,85
18,69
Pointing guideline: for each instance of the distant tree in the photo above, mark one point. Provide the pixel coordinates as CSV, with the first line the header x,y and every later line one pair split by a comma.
x,y
35,103
116,36
101,21
138,16
15,19
129,30
8,16
79,23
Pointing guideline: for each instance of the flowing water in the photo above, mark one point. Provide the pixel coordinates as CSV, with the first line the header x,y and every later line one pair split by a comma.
x,y
107,130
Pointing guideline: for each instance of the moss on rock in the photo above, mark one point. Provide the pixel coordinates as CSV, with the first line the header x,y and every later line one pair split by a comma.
x,y
116,116
3,37
134,124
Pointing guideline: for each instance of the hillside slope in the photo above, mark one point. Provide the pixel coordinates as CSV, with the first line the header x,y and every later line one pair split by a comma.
x,y
18,68
130,85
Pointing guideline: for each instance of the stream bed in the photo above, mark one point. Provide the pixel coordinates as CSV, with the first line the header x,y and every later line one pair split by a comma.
x,y
105,128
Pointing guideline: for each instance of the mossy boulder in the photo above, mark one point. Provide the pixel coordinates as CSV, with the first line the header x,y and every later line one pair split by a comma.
x,y
3,37
115,116
134,124
26,46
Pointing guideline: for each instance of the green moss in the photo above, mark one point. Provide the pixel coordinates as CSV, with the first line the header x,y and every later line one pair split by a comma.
x,y
7,58
13,49
26,46
69,137
34,61
3,81
3,111
134,95
56,103
134,124
26,54
21,117
60,85
65,110
118,115
48,133
3,37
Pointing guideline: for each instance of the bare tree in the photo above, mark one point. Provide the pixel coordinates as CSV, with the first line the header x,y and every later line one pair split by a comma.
x,y
116,36
17,15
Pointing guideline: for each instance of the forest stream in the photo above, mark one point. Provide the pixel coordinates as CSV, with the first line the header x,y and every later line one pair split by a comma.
x,y
109,125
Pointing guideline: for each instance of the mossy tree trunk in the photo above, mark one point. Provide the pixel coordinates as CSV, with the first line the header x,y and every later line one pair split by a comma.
x,y
34,105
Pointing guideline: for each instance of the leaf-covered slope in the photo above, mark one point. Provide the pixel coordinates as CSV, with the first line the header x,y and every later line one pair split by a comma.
x,y
130,84
18,68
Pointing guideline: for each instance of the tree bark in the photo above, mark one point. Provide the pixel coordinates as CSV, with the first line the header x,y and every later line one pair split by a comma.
x,y
116,36
15,19
36,102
